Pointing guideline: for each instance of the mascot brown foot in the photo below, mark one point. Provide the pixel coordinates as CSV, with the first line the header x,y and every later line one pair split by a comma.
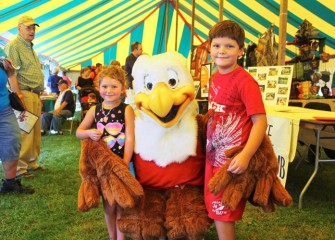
x,y
146,219
177,213
186,215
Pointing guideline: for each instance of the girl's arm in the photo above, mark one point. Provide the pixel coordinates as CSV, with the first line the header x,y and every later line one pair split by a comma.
x,y
240,163
85,131
130,134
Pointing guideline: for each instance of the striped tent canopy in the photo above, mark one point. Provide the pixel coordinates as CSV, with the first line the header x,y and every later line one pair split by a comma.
x,y
81,32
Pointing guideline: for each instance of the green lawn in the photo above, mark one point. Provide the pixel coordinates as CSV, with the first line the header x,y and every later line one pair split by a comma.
x,y
51,212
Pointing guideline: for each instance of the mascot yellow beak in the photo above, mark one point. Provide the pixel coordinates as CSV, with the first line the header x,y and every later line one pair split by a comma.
x,y
165,105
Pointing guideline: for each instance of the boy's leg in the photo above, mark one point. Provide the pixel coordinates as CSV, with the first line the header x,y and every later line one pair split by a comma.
x,y
225,230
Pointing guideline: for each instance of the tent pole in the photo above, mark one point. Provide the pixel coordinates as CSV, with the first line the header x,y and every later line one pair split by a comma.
x,y
282,32
221,10
192,26
166,24
176,35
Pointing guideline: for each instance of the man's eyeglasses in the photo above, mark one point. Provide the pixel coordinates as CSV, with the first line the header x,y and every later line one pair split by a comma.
x,y
30,28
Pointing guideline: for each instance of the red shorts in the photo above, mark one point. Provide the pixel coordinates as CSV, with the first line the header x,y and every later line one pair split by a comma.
x,y
216,210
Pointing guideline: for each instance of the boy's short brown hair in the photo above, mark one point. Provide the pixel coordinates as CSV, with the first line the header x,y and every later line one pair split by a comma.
x,y
230,29
114,72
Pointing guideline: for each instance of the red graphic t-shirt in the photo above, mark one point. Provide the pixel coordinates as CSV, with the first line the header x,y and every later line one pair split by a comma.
x,y
233,98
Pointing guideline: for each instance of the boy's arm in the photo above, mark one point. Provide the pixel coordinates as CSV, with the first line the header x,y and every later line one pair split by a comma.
x,y
240,163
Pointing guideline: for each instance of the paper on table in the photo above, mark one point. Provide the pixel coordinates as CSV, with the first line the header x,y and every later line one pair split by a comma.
x,y
26,120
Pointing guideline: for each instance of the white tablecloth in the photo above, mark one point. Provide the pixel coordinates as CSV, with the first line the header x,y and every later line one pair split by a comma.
x,y
284,128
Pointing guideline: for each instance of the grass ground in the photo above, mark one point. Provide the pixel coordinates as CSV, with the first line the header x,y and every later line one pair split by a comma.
x,y
51,212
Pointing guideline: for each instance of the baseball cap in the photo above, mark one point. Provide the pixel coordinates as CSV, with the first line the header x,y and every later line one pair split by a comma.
x,y
27,21
62,81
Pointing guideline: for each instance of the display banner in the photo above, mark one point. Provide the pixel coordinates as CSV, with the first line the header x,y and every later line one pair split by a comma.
x,y
279,130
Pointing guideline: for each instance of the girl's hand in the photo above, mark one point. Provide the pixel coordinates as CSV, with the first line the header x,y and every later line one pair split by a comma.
x,y
95,134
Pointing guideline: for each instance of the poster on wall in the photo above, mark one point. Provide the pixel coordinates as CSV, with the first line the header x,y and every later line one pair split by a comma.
x,y
274,83
205,74
199,56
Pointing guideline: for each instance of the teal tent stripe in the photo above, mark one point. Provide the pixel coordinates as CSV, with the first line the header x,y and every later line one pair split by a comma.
x,y
136,35
110,54
319,10
71,19
170,16
87,52
184,45
87,63
202,10
18,9
102,33
160,31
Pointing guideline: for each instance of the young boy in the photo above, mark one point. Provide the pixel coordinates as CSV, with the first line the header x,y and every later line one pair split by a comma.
x,y
238,117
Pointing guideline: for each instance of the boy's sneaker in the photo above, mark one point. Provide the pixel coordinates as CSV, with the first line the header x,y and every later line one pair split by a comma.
x,y
15,186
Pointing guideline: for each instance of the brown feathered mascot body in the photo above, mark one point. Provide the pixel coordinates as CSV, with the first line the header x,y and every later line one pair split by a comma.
x,y
169,159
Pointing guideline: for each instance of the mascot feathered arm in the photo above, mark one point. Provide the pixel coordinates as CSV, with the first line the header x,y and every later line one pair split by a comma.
x,y
259,183
99,167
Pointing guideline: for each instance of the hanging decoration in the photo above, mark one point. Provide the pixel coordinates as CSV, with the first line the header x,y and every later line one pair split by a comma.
x,y
267,49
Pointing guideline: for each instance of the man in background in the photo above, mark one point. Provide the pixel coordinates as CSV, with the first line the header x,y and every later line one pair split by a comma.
x,y
136,51
64,108
31,83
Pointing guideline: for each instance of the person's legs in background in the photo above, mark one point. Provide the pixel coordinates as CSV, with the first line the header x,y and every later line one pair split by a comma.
x,y
9,153
45,121
31,143
57,120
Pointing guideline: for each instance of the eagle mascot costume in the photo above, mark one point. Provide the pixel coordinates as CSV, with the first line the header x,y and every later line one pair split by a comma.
x,y
169,157
166,198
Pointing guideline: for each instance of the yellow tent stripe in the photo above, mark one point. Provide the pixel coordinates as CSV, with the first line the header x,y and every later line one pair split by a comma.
x,y
35,12
6,4
71,25
316,21
122,49
150,27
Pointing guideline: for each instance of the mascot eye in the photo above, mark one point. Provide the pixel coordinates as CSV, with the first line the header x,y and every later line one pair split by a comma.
x,y
149,85
172,82
173,79
147,82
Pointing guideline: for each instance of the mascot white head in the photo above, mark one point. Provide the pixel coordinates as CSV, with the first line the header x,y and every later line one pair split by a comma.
x,y
166,109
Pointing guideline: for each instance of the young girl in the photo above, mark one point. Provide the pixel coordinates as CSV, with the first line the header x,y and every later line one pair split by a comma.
x,y
114,123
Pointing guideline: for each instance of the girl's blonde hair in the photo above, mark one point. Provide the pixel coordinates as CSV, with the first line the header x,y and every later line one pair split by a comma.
x,y
114,72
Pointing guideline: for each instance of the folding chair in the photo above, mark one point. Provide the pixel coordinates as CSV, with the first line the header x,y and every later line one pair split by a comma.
x,y
311,148
295,104
70,119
